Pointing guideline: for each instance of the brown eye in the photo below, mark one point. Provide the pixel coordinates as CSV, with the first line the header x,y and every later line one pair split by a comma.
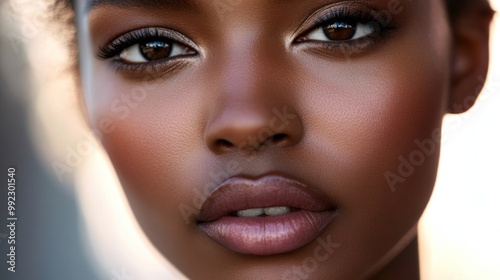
x,y
155,50
340,31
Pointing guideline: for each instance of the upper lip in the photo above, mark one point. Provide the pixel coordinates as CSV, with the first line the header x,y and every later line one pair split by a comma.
x,y
238,193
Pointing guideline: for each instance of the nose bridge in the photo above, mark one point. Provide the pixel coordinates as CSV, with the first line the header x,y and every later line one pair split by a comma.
x,y
245,64
252,105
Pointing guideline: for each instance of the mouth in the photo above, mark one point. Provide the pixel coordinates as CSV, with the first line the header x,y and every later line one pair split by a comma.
x,y
267,216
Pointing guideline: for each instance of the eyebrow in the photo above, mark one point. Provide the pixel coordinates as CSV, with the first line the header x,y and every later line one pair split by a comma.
x,y
171,4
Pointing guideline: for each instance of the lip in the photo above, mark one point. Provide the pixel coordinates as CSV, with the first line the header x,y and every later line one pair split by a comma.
x,y
270,234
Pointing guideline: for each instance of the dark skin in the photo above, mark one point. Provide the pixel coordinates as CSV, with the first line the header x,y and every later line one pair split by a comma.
x,y
358,104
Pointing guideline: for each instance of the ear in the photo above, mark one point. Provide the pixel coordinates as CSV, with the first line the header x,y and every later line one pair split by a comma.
x,y
470,47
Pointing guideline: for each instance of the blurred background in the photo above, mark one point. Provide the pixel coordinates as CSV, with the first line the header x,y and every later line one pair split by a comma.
x,y
75,224
48,231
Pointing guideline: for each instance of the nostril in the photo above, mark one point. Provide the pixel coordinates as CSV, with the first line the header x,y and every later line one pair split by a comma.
x,y
279,138
224,143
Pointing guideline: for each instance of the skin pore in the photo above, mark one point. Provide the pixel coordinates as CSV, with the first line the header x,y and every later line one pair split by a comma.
x,y
335,94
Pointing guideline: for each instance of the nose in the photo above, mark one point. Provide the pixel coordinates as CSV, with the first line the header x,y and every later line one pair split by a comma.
x,y
252,127
253,108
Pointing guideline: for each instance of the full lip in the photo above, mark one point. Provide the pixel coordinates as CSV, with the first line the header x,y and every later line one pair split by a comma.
x,y
264,235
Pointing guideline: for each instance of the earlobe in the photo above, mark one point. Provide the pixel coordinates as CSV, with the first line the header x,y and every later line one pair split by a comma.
x,y
470,56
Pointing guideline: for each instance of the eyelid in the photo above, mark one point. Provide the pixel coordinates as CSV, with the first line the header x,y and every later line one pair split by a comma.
x,y
134,52
320,16
128,39
367,28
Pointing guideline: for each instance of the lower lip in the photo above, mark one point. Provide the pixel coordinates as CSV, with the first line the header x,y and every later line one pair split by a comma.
x,y
268,235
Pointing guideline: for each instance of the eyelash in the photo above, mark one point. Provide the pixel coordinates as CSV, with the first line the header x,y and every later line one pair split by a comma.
x,y
344,13
357,14
116,47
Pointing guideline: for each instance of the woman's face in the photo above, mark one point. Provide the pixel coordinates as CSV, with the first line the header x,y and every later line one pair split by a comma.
x,y
328,111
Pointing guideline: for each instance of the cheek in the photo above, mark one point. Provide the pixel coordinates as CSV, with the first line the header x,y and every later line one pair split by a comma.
x,y
378,133
377,114
153,138
374,109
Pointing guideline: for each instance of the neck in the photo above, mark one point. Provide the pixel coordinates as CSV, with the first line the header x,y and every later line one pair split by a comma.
x,y
404,266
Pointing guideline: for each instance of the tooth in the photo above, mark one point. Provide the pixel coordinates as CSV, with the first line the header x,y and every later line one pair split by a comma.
x,y
250,212
274,211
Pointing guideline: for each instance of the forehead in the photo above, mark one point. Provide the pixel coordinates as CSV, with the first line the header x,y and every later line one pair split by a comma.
x,y
172,4
200,4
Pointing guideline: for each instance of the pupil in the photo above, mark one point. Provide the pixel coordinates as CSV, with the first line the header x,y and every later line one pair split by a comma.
x,y
340,30
155,50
